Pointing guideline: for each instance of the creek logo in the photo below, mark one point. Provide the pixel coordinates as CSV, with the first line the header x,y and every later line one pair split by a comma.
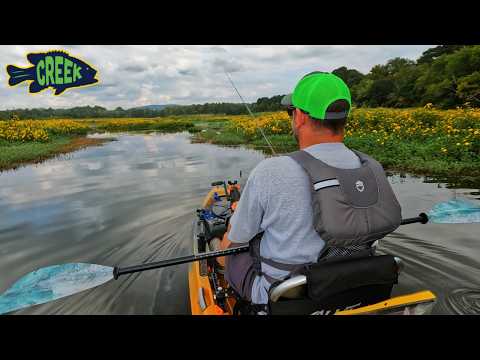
x,y
55,69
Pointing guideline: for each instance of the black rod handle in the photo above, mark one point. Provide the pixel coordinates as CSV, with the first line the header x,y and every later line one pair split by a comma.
x,y
117,271
421,218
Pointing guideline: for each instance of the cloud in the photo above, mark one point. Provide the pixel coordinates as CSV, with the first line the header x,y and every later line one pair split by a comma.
x,y
135,68
221,65
139,75
188,72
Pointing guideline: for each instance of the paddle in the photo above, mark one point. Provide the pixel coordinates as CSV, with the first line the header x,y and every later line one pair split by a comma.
x,y
455,211
58,281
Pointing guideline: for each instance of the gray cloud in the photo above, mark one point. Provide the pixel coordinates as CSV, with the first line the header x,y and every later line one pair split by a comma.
x,y
217,49
188,72
140,75
134,68
221,65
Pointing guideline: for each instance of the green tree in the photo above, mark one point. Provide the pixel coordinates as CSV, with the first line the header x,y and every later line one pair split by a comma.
x,y
468,89
351,76
431,54
440,79
381,92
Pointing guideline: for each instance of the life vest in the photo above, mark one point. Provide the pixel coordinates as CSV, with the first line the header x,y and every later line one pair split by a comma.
x,y
352,208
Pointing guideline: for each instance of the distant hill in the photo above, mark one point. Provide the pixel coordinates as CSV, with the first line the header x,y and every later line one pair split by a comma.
x,y
155,107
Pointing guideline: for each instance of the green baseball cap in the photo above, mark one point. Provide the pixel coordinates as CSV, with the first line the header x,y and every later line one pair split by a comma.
x,y
315,92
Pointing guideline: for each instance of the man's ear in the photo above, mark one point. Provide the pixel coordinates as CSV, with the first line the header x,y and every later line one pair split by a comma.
x,y
300,118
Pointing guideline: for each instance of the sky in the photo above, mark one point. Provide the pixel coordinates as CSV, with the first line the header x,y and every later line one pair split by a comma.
x,y
138,75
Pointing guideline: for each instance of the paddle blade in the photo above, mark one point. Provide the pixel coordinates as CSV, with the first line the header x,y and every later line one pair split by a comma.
x,y
52,283
456,211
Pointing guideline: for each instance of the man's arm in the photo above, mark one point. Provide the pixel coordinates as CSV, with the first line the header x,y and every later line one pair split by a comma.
x,y
247,218
226,241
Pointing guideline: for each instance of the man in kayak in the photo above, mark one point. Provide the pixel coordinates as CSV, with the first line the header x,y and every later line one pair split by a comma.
x,y
276,201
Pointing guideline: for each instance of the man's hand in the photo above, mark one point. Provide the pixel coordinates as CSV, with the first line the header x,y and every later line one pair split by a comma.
x,y
224,244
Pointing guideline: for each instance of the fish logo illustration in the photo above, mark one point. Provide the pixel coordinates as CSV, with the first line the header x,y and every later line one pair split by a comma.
x,y
55,69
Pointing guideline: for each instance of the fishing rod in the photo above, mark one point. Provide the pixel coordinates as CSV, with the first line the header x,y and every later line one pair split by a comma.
x,y
250,112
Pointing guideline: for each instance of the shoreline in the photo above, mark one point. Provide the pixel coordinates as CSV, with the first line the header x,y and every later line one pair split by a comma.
x,y
458,172
25,142
13,156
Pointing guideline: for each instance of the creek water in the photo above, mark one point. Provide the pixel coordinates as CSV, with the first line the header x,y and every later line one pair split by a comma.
x,y
133,201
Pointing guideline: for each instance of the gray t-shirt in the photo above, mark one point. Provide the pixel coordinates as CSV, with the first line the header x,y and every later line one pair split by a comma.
x,y
277,199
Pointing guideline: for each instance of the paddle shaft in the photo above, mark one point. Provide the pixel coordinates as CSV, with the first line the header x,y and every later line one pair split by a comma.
x,y
422,218
180,260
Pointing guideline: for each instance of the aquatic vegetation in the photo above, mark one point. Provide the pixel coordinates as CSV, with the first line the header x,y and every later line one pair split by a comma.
x,y
63,127
14,131
25,141
418,140
421,140
16,154
271,123
39,130
161,124
43,130
451,133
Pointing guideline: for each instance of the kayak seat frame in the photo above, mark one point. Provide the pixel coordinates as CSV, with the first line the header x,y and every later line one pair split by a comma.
x,y
295,287
297,296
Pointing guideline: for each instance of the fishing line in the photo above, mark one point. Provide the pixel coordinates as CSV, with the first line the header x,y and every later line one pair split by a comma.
x,y
250,112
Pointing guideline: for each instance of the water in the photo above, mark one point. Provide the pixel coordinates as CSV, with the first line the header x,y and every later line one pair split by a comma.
x,y
128,202
133,200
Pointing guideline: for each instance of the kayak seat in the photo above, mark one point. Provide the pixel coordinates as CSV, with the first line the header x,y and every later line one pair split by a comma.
x,y
292,288
337,284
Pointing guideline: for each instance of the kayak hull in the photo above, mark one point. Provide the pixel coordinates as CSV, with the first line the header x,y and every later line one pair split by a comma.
x,y
201,294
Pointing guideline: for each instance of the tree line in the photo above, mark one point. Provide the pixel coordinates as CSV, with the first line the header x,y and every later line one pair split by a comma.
x,y
446,76
82,112
79,112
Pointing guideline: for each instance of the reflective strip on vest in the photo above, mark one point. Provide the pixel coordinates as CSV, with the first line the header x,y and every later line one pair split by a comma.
x,y
325,183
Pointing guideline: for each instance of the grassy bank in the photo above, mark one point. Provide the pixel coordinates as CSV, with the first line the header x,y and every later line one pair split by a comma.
x,y
423,141
31,141
420,141
13,155
162,125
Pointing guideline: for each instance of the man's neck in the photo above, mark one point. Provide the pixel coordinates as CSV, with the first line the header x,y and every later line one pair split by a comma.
x,y
306,142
